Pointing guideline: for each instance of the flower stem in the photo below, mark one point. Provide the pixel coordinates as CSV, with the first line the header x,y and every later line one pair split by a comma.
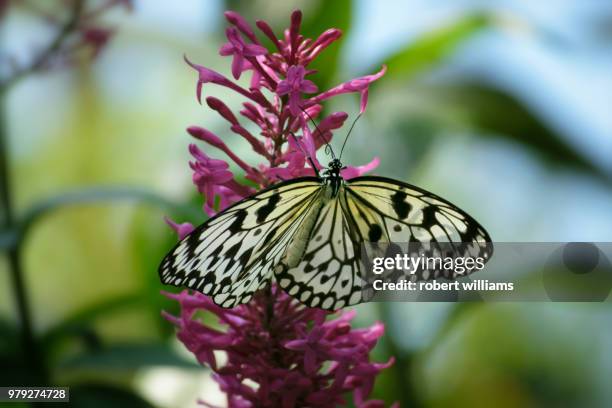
x,y
46,55
32,355
30,350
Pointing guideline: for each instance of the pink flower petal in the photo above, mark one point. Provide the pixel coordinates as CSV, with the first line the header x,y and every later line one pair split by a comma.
x,y
182,229
352,171
308,86
239,21
354,85
364,101
226,49
237,65
252,50
283,88
295,103
205,135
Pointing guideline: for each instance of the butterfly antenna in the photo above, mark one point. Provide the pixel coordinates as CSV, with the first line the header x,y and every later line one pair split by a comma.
x,y
305,154
328,148
348,134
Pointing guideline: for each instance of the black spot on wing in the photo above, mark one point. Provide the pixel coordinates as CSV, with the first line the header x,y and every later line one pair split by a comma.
x,y
270,234
239,218
429,217
401,207
231,253
375,233
244,258
266,209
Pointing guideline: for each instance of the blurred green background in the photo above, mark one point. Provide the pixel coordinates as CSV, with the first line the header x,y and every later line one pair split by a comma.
x,y
502,107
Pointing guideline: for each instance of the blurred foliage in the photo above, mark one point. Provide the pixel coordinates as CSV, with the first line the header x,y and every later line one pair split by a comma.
x,y
126,357
432,48
336,14
492,112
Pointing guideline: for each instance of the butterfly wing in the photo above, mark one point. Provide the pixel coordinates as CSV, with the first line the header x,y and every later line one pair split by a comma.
x,y
390,211
231,255
369,209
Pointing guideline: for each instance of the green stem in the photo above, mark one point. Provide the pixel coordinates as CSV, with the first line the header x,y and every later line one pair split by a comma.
x,y
54,47
31,351
33,357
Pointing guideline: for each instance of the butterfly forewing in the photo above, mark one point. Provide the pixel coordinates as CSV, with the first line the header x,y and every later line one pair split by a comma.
x,y
231,256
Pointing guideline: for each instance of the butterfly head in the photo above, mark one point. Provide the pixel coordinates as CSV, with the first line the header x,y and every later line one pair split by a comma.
x,y
333,168
335,165
332,176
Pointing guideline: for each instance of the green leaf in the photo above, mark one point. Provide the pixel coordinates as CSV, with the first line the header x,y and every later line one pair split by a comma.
x,y
126,357
433,47
92,195
492,112
100,194
83,317
102,396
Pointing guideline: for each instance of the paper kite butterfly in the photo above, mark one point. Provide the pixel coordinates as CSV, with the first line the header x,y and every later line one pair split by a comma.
x,y
307,234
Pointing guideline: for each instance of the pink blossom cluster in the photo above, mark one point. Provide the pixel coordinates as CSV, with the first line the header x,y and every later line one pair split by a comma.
x,y
280,101
279,353
293,355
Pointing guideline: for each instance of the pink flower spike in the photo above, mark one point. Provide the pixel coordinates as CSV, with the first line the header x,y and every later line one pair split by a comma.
x,y
352,171
320,376
182,230
277,352
295,85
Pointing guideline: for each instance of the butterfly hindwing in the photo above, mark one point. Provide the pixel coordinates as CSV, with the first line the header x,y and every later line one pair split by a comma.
x,y
231,256
329,275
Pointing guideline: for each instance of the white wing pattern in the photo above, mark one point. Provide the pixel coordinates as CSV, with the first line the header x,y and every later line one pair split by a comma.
x,y
237,252
232,255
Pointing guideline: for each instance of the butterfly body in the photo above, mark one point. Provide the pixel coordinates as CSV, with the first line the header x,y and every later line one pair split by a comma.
x,y
308,234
